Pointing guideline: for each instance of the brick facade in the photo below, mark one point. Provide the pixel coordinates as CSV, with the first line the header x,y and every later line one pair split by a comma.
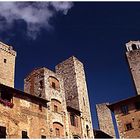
x,y
127,117
43,110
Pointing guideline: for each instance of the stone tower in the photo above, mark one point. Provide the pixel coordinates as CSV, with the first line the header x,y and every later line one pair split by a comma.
x,y
105,119
133,57
7,65
46,84
76,93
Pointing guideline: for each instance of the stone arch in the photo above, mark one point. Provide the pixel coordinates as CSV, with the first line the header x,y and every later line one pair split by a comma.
x,y
56,105
58,130
76,136
54,83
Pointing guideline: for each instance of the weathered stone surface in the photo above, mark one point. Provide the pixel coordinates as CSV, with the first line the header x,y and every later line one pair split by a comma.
x,y
7,64
105,119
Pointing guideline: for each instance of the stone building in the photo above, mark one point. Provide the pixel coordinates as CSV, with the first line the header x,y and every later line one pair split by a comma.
x,y
133,57
127,114
53,104
127,111
105,119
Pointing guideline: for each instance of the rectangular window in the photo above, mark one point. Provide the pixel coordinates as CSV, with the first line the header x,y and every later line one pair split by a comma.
x,y
41,84
43,137
73,120
5,60
40,107
129,126
24,135
124,109
53,85
137,105
57,131
2,132
55,108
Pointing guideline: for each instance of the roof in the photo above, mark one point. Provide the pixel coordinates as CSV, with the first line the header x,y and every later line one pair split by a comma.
x,y
23,94
100,134
127,100
69,108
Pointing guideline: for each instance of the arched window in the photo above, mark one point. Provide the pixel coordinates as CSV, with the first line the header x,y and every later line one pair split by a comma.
x,y
58,130
76,137
54,83
134,47
56,106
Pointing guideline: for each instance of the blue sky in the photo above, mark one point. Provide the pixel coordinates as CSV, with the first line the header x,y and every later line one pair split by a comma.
x,y
94,32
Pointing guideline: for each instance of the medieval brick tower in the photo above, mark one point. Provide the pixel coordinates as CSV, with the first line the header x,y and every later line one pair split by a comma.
x,y
46,84
7,65
133,56
76,94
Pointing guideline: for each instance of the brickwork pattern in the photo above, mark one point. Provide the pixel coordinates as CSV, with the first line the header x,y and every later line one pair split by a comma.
x,y
132,117
24,116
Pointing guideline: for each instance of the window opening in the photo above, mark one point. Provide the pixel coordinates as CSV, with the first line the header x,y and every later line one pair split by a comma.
x,y
87,129
24,135
73,120
57,131
124,109
53,85
137,105
43,137
2,132
129,126
41,84
40,107
134,47
5,60
55,108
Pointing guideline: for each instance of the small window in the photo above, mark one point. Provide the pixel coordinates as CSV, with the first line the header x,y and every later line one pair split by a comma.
x,y
87,129
84,101
73,120
55,108
40,107
53,85
57,131
41,84
43,137
25,135
137,105
129,126
134,47
5,60
124,109
2,132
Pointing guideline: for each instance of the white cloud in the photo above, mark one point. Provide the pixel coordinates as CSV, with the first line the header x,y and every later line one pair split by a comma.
x,y
36,14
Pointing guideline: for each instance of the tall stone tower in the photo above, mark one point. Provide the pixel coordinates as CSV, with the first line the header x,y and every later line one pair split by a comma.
x,y
76,93
133,56
105,119
7,65
46,84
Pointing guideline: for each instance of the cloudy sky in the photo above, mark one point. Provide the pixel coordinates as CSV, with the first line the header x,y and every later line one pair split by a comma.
x,y
46,33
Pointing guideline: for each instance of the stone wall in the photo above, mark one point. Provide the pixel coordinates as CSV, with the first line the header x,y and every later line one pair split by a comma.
x,y
76,94
47,91
134,64
132,117
105,119
25,115
7,64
